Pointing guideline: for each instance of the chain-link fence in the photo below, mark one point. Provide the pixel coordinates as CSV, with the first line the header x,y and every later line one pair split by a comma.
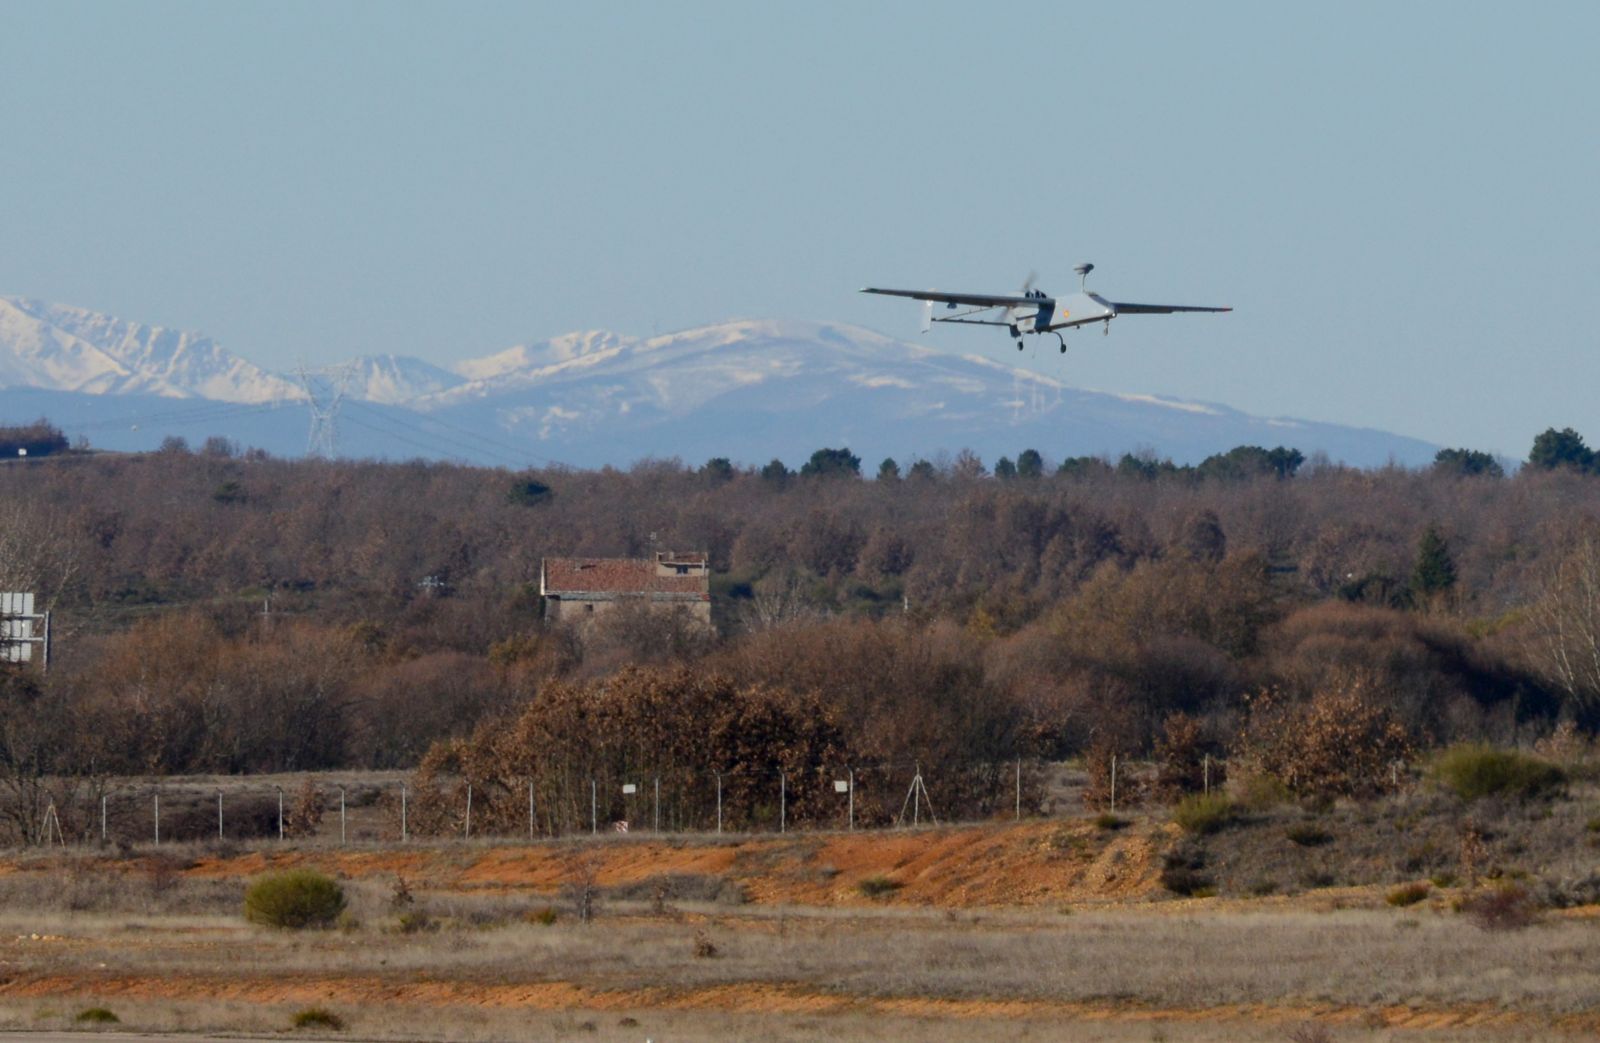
x,y
366,808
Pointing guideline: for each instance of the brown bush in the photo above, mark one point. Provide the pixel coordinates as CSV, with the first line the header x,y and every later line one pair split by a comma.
x,y
1343,741
304,816
1508,907
1182,759
580,741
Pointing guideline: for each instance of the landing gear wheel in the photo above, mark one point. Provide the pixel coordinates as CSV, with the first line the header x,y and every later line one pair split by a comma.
x,y
1019,345
1063,341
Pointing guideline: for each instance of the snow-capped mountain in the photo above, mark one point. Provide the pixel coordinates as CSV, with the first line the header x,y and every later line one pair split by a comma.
x,y
395,379
71,349
754,390
526,361
748,390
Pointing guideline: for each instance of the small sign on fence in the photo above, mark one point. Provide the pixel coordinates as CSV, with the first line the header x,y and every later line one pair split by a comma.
x,y
629,788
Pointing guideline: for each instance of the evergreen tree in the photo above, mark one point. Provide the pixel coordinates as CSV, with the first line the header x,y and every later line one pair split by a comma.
x,y
1564,448
1083,467
888,471
776,473
1029,464
528,492
1467,462
718,469
835,462
1435,572
1004,469
1251,461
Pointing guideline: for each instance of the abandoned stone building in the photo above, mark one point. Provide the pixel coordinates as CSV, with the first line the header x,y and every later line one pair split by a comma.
x,y
578,589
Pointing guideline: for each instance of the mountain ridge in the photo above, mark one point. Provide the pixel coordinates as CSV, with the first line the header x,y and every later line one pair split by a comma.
x,y
751,388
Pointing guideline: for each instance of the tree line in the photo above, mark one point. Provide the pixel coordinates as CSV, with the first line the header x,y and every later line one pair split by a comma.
x,y
226,612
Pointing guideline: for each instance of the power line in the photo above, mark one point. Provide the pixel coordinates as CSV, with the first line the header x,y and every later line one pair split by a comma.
x,y
510,455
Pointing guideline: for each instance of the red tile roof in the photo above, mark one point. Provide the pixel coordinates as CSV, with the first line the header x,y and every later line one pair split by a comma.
x,y
567,576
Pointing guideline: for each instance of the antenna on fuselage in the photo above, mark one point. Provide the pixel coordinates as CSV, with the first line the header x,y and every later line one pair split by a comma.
x,y
1083,271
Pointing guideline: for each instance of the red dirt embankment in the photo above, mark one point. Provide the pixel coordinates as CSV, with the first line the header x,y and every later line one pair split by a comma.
x,y
1029,864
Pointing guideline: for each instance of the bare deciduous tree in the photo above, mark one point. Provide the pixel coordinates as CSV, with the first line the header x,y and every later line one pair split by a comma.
x,y
1568,617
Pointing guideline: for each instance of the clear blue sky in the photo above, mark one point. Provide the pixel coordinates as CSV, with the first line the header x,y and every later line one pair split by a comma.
x,y
1402,200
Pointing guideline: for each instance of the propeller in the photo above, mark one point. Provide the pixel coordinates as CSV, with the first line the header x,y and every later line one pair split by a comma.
x,y
1083,271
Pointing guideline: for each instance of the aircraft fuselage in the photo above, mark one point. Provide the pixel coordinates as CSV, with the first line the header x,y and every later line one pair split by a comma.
x,y
1060,313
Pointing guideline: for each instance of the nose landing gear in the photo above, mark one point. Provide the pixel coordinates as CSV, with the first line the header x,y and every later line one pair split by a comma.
x,y
1063,341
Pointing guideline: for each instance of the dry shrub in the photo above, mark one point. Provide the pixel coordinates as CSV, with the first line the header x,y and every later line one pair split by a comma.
x,y
1099,760
674,725
1183,872
1311,1032
1508,907
305,814
1432,673
1343,741
704,948
582,887
878,886
1474,852
1407,894
1566,746
1181,761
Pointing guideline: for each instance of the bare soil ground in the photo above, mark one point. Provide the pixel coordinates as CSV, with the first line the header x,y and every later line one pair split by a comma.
x,y
1042,930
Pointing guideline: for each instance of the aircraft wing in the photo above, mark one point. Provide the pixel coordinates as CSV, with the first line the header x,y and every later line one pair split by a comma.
x,y
1158,309
977,300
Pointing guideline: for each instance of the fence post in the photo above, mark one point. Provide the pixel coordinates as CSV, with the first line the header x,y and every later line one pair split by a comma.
x,y
594,808
1019,789
469,811
103,797
783,801
852,777
402,812
1113,784
280,810
530,810
341,816
158,818
1205,769
656,821
719,802
219,815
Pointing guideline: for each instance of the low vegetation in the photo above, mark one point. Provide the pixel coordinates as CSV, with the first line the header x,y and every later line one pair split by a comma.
x,y
96,1016
878,886
294,899
317,1018
1407,894
1476,771
1202,814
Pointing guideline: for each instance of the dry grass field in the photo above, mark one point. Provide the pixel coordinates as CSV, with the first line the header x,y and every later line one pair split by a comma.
x,y
1044,930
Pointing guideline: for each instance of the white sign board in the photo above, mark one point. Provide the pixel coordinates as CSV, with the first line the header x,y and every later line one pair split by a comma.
x,y
16,628
628,787
841,786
